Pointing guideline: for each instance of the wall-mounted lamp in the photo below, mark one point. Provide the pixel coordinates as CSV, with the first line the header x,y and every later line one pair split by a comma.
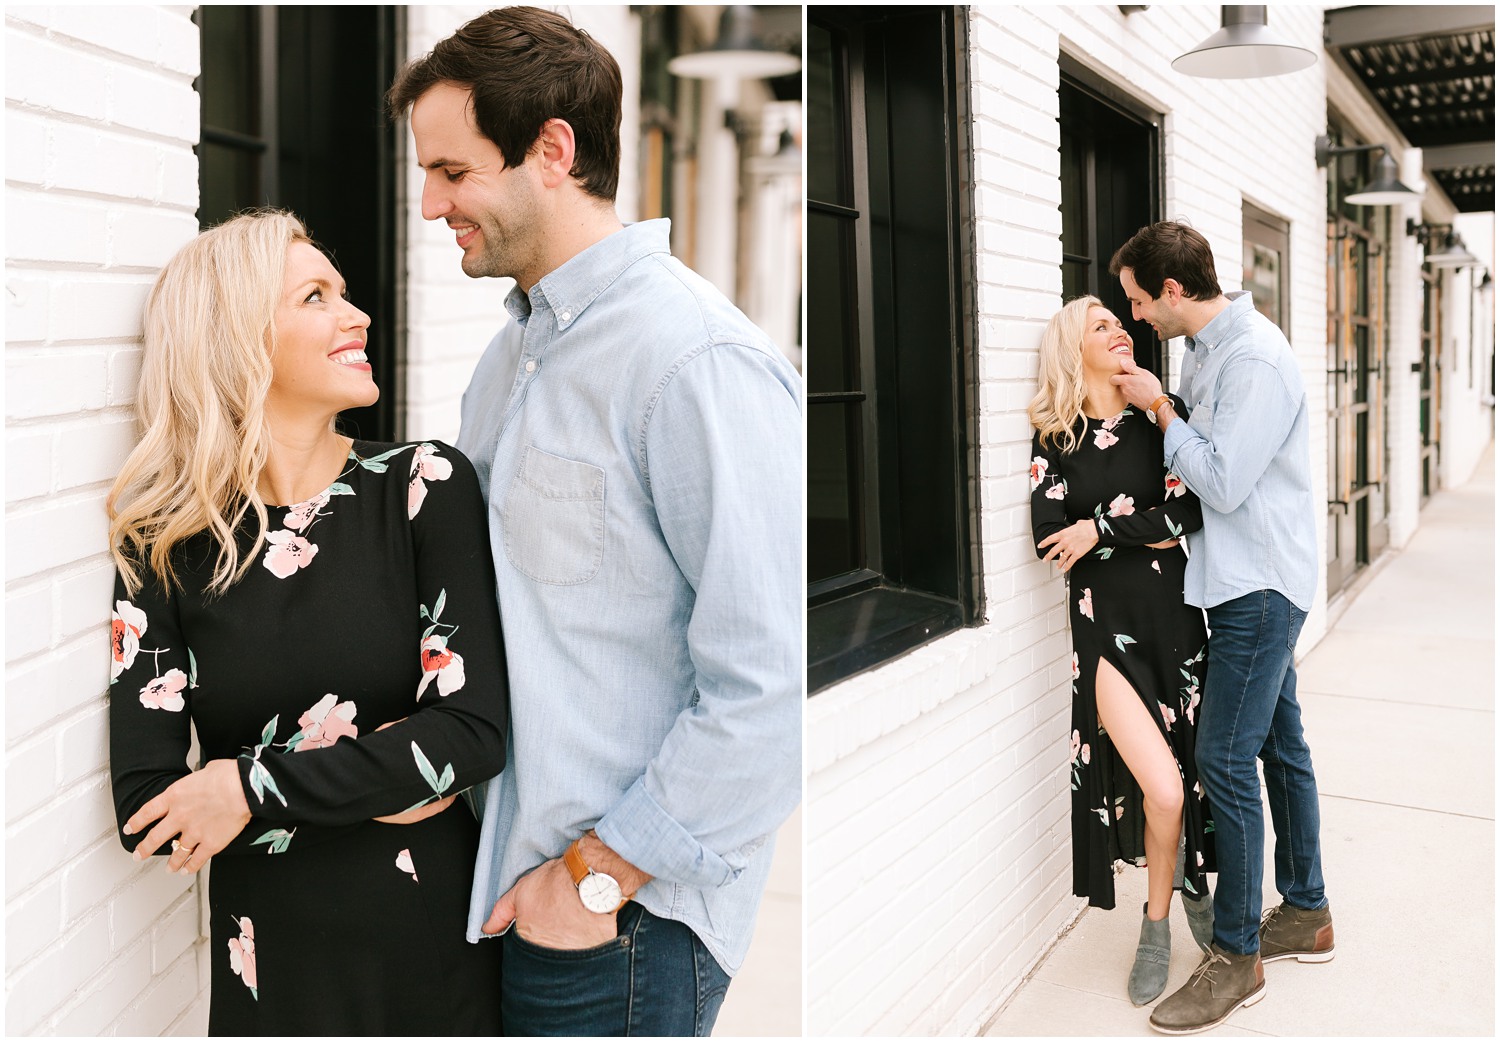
x,y
1129,9
1245,48
738,53
1451,254
1385,190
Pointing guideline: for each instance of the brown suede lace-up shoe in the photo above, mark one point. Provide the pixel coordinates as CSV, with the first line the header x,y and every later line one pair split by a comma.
x,y
1289,932
1221,984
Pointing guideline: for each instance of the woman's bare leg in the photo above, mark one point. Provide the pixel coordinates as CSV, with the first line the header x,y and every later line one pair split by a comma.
x,y
1140,745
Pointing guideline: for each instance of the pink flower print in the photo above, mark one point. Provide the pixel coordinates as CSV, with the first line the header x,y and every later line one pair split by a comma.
x,y
242,955
301,515
440,663
1121,506
165,692
1103,439
287,553
403,862
1113,422
1167,715
325,723
1038,471
1086,604
1084,753
1073,746
1174,485
127,623
426,465
1076,674
1157,566
1194,696
1058,490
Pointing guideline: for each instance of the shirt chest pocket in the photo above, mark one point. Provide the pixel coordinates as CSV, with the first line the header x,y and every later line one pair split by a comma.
x,y
1202,418
553,519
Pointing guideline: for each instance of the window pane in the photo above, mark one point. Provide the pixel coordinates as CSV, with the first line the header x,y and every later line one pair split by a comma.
x,y
832,518
1263,279
829,364
227,182
826,122
1074,199
230,68
1075,279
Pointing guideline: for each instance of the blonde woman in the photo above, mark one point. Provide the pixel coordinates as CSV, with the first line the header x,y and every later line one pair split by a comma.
x,y
321,611
1106,513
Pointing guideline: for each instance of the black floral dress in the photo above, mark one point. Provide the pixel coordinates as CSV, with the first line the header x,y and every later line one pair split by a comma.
x,y
1125,605
371,602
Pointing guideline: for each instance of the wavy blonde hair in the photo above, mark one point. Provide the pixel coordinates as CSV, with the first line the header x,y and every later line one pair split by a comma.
x,y
205,372
1057,408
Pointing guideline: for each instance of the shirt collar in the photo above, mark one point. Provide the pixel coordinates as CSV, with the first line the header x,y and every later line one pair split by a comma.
x,y
1213,334
571,288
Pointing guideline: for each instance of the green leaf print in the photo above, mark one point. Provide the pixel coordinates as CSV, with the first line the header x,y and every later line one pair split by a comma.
x,y
1122,639
192,670
277,840
1176,530
1105,553
261,780
269,734
437,607
377,465
424,765
338,488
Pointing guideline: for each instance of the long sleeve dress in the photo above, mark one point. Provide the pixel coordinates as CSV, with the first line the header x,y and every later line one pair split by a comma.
x,y
1125,606
371,602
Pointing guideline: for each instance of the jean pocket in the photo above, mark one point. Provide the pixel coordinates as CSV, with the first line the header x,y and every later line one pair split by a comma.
x,y
1295,618
619,943
553,519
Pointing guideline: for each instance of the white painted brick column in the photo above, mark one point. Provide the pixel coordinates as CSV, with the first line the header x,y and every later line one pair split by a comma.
x,y
101,188
1403,350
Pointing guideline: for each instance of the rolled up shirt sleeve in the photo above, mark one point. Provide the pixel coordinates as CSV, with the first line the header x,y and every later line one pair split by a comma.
x,y
723,453
1247,426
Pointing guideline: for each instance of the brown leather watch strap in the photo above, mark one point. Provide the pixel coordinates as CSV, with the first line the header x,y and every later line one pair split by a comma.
x,y
573,858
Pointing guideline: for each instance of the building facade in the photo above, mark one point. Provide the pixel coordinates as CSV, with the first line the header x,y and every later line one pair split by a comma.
x,y
938,861
128,128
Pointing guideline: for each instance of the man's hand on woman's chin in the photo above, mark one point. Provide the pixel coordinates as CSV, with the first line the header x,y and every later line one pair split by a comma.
x,y
1141,387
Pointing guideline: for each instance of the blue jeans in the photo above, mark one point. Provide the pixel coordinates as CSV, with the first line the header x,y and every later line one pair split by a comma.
x,y
1250,709
655,978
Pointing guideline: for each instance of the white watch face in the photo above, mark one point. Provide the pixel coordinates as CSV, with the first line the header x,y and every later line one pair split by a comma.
x,y
600,893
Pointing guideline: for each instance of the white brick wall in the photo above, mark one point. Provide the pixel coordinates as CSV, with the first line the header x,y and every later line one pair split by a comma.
x,y
101,187
450,317
939,857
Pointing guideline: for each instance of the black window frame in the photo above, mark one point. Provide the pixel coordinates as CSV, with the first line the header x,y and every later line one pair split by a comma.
x,y
918,575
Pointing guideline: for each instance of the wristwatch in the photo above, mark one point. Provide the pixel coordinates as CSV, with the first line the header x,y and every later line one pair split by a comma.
x,y
600,893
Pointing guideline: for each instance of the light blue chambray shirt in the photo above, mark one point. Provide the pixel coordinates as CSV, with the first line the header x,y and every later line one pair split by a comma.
x,y
1243,450
640,446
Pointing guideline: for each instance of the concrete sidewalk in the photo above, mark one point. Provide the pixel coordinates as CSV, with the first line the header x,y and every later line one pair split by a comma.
x,y
765,997
1398,701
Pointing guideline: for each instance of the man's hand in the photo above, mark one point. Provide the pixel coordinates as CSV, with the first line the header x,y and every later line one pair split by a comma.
x,y
1071,543
545,907
207,809
1141,388
416,814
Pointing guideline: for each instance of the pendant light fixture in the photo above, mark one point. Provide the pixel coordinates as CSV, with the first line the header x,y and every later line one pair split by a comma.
x,y
1245,48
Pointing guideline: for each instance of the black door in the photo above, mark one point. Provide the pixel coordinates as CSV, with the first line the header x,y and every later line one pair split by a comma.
x,y
293,117
1110,191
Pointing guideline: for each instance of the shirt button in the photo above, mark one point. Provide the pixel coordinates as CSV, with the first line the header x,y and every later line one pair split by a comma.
x,y
565,316
531,365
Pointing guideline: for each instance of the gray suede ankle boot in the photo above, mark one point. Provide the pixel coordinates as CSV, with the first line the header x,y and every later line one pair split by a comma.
x,y
1148,977
1200,916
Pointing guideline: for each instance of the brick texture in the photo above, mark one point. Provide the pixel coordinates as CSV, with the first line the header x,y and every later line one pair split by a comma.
x,y
101,119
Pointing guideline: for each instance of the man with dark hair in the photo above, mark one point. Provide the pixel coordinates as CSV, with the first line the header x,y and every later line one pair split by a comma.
x,y
639,441
1254,569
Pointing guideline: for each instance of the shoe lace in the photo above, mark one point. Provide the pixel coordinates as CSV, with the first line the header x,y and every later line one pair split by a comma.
x,y
1206,967
1270,914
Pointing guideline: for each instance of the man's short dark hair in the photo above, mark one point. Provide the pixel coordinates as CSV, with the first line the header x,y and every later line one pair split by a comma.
x,y
1169,250
524,66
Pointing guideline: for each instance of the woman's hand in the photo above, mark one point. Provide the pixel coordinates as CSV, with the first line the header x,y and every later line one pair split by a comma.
x,y
206,810
1070,544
